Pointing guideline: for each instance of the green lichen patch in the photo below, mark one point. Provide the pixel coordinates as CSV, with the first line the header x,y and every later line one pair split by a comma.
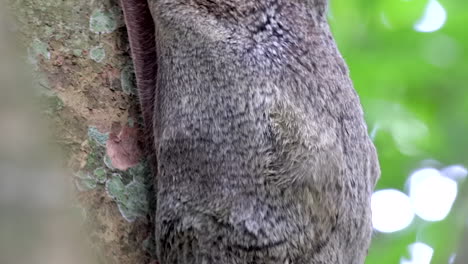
x,y
97,54
100,174
78,44
93,160
86,184
140,172
50,102
127,80
97,142
36,49
132,198
129,189
108,162
49,31
55,104
94,173
77,52
98,137
128,212
118,14
115,188
102,21
137,194
84,181
136,204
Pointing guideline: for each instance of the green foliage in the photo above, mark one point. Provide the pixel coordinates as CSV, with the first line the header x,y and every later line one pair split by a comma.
x,y
414,89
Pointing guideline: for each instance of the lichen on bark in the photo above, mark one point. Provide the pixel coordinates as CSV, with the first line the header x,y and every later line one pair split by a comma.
x,y
80,54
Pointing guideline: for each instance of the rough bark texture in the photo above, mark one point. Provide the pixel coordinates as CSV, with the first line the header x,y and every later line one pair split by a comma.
x,y
84,76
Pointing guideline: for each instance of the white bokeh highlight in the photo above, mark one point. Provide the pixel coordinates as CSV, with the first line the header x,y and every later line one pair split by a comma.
x,y
431,194
452,258
455,172
420,254
391,210
433,19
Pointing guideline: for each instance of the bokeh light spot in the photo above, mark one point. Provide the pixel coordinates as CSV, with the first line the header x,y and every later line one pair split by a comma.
x,y
391,210
433,19
431,194
420,254
455,172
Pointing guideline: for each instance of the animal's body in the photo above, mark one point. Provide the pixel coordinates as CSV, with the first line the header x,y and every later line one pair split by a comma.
x,y
262,151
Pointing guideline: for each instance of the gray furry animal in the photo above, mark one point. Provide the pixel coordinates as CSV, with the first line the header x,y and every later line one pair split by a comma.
x,y
262,152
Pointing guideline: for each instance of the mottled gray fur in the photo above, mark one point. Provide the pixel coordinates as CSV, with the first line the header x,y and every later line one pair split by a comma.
x,y
262,151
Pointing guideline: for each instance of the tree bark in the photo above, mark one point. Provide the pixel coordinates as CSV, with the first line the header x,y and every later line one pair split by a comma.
x,y
84,78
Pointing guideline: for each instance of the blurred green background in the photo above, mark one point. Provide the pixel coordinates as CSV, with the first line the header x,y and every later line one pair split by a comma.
x,y
409,65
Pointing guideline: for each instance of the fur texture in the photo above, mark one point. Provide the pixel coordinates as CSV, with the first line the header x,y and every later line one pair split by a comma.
x,y
263,155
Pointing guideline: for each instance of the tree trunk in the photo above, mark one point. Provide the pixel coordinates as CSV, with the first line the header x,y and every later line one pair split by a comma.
x,y
84,77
